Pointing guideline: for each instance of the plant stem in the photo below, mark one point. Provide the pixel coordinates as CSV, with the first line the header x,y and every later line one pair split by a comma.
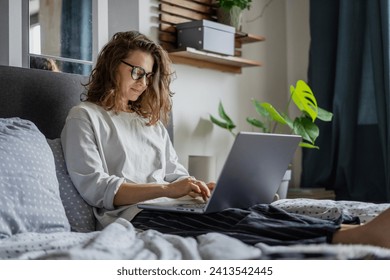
x,y
274,128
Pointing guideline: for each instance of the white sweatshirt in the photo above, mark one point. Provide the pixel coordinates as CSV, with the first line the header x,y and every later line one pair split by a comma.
x,y
103,149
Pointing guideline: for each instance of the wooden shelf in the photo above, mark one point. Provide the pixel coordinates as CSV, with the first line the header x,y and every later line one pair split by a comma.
x,y
202,59
173,12
245,38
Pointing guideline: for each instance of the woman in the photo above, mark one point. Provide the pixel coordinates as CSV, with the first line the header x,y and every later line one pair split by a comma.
x,y
118,153
116,140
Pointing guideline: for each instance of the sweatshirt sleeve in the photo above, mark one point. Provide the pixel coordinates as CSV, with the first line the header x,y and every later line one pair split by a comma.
x,y
85,164
174,169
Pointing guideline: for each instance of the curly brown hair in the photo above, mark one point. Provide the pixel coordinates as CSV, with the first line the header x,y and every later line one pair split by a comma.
x,y
155,103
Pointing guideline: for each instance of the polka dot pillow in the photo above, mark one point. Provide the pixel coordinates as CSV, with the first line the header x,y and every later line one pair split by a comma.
x,y
29,194
78,211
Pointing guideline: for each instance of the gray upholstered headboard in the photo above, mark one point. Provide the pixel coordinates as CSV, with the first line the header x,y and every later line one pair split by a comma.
x,y
41,96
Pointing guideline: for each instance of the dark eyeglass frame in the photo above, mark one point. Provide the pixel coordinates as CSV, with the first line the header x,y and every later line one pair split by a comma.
x,y
135,74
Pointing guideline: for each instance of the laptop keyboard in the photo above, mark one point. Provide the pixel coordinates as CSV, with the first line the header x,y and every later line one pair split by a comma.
x,y
193,205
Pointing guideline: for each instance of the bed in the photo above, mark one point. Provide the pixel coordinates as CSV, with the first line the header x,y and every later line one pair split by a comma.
x,y
42,216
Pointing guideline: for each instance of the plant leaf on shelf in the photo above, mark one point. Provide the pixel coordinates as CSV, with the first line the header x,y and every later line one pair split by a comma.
x,y
229,4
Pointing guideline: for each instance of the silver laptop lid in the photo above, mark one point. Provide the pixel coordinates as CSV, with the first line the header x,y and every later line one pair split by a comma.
x,y
253,170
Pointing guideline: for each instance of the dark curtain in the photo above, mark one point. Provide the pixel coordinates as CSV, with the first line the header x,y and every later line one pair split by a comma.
x,y
349,73
76,34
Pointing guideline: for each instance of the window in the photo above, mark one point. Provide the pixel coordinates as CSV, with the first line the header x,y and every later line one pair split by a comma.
x,y
60,34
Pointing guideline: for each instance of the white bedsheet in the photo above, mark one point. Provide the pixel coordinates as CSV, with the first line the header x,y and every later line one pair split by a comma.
x,y
120,240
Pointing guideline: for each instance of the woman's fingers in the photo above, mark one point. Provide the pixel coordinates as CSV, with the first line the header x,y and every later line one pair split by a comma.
x,y
193,194
195,188
201,188
211,185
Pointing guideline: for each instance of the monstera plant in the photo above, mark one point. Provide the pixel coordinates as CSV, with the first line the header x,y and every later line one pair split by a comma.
x,y
269,118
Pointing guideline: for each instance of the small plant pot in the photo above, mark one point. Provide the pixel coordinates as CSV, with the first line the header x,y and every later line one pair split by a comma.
x,y
232,17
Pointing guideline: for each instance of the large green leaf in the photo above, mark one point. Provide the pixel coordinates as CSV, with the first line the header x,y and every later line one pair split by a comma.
x,y
273,113
303,97
324,115
307,129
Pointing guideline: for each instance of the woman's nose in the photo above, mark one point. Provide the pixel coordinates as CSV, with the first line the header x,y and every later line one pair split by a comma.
x,y
143,80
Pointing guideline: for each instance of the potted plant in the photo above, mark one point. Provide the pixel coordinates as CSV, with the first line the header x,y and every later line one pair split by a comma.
x,y
304,124
270,118
229,12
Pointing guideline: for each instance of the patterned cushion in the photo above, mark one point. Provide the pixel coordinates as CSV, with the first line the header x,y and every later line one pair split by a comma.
x,y
79,212
29,194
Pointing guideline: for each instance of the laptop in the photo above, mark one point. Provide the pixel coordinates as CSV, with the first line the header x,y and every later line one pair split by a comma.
x,y
251,174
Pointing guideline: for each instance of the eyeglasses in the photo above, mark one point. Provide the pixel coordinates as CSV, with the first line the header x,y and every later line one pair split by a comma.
x,y
138,73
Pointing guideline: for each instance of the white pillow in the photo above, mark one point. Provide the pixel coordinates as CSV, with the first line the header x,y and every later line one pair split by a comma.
x,y
29,194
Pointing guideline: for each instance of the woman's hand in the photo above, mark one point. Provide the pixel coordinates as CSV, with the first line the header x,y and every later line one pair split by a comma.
x,y
129,193
189,186
210,185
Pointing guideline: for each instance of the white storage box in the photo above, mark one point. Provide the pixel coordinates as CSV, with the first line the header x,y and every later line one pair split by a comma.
x,y
207,36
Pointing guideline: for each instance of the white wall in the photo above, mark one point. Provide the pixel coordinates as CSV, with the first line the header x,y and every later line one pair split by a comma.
x,y
298,43
122,16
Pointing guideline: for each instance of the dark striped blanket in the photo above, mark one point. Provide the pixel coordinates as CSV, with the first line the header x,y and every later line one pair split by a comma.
x,y
260,223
